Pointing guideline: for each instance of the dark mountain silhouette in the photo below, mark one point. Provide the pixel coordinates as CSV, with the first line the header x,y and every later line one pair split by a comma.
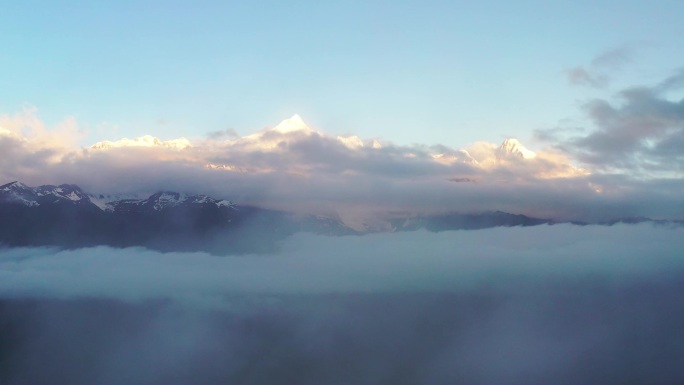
x,y
65,216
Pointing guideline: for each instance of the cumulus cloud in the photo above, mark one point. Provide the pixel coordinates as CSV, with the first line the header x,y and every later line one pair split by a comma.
x,y
499,305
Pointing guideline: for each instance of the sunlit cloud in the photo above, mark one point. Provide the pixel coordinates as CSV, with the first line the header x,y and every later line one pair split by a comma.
x,y
293,167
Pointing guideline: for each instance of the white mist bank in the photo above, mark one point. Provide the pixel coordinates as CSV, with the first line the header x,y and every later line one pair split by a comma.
x,y
312,264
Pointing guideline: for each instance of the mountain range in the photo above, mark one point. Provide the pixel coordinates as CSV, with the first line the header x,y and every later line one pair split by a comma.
x,y
65,216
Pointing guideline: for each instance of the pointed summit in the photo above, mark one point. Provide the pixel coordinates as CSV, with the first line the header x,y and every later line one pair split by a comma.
x,y
295,123
512,146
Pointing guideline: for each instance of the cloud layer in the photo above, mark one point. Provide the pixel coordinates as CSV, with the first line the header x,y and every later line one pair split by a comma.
x,y
311,264
592,304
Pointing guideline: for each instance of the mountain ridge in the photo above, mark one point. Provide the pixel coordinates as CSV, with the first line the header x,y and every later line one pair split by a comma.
x,y
65,216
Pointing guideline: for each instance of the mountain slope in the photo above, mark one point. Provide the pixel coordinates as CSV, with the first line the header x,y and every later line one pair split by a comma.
x,y
65,216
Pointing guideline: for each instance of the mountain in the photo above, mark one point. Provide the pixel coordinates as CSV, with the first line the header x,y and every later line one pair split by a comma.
x,y
65,216
16,192
458,221
293,124
271,139
513,147
156,202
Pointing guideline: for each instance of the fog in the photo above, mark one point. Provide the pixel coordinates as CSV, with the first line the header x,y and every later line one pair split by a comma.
x,y
547,304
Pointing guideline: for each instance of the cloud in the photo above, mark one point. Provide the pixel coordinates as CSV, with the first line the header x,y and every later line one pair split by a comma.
x,y
312,264
307,171
596,74
488,306
223,134
613,59
299,169
581,76
27,124
641,133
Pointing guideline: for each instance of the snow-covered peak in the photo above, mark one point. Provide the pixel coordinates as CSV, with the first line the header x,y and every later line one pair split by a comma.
x,y
107,202
35,196
511,146
166,199
295,123
143,141
163,200
13,186
68,192
272,139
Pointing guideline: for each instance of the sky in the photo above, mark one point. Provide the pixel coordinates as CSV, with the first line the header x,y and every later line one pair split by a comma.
x,y
430,72
353,107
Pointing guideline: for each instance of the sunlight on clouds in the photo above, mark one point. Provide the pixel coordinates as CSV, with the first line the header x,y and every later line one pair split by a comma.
x,y
303,170
26,124
143,141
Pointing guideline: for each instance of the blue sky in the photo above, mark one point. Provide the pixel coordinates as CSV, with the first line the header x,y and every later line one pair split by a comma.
x,y
449,72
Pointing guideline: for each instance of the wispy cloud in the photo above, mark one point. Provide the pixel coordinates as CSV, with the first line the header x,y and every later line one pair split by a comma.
x,y
598,73
583,77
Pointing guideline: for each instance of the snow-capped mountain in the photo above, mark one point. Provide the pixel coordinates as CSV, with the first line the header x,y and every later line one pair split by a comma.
x,y
272,139
17,192
293,124
65,216
143,141
513,147
164,200
48,194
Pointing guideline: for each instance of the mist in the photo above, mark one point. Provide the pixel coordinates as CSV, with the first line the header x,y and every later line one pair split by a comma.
x,y
545,304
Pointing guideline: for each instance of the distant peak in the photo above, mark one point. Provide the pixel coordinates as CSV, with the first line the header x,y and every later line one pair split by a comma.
x,y
13,185
513,146
510,142
295,123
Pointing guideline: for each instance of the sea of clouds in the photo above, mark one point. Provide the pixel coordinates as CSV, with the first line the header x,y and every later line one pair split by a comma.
x,y
546,304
